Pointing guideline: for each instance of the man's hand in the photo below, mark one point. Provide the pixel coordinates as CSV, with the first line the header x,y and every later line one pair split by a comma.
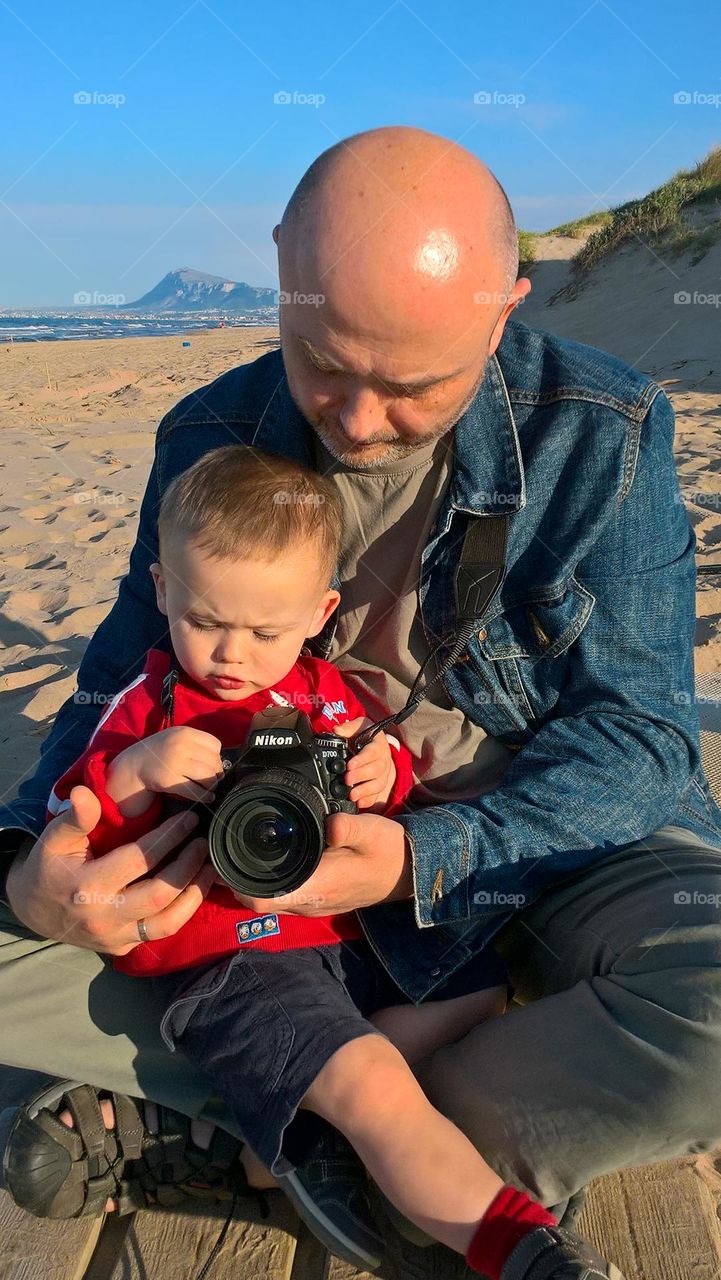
x,y
366,860
60,892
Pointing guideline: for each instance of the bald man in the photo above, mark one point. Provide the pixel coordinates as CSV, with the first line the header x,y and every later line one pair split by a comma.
x,y
560,807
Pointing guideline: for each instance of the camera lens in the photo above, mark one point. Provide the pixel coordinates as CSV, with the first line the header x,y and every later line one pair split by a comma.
x,y
270,836
266,836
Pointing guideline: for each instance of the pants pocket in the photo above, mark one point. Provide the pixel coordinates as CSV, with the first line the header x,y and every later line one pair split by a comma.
x,y
235,1029
181,1008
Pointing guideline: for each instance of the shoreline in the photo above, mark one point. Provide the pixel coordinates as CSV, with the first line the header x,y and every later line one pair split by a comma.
x,y
11,345
12,342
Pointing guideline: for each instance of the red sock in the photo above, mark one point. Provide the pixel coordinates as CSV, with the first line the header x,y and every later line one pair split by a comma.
x,y
507,1220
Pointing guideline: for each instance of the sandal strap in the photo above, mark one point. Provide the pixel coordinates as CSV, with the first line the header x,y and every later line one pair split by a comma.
x,y
99,1167
84,1107
129,1126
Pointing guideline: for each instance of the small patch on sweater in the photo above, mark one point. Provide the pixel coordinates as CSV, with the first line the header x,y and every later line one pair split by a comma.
x,y
258,927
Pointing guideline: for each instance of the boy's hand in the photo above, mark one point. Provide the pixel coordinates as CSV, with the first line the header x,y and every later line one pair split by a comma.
x,y
179,762
371,773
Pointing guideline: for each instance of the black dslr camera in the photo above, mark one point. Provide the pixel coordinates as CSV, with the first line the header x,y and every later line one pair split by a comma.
x,y
266,829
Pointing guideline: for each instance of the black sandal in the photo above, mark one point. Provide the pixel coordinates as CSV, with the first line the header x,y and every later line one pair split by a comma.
x,y
56,1172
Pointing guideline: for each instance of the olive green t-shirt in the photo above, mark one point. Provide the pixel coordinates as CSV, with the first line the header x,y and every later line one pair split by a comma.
x,y
380,643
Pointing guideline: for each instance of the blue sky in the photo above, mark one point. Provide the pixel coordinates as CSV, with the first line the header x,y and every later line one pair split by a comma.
x,y
196,164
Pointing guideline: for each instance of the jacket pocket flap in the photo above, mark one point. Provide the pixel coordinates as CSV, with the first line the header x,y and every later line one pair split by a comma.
x,y
540,627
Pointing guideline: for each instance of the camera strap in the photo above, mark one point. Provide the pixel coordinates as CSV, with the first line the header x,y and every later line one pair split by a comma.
x,y
478,578
167,697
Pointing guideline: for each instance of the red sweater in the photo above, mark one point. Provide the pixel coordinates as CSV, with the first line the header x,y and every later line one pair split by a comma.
x,y
221,924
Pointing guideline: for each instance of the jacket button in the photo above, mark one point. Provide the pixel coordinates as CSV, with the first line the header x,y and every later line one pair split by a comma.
x,y
543,639
482,634
435,973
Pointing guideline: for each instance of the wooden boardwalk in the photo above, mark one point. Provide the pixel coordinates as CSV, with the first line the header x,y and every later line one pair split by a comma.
x,y
659,1222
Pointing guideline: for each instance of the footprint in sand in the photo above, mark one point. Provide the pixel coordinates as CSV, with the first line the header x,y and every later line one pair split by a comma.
x,y
29,560
81,621
34,604
91,534
53,599
108,569
41,512
49,562
63,482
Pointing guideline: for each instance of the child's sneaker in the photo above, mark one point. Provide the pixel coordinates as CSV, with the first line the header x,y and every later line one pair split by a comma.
x,y
328,1191
550,1253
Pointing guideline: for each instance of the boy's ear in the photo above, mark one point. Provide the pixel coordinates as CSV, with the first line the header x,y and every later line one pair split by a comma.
x,y
157,575
329,602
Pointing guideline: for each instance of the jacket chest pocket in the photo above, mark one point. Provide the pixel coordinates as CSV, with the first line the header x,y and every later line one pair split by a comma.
x,y
528,643
542,626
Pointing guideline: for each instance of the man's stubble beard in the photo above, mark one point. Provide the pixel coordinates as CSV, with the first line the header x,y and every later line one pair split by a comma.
x,y
382,452
395,450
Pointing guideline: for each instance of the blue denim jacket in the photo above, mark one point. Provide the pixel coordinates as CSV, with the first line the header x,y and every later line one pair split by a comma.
x,y
583,665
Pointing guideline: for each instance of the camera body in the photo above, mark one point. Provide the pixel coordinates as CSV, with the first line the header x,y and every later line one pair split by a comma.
x,y
266,830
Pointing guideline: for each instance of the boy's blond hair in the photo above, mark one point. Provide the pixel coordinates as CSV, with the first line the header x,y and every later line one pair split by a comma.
x,y
238,502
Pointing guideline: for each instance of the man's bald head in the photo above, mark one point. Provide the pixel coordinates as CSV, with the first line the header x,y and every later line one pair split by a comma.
x,y
403,161
398,256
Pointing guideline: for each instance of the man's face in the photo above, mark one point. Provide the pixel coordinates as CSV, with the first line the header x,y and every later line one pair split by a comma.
x,y
367,408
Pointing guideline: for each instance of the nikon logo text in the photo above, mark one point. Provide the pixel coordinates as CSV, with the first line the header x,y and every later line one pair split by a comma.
x,y
274,740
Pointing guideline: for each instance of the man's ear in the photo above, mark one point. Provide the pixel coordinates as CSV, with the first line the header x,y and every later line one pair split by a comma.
x,y
157,575
521,288
329,602
276,232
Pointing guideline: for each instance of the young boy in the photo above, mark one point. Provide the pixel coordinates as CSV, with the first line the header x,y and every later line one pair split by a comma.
x,y
272,1008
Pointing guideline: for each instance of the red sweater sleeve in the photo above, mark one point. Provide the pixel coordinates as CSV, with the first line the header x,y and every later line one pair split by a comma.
x,y
340,704
133,714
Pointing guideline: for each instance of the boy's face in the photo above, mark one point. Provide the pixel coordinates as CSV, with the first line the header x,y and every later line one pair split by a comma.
x,y
238,626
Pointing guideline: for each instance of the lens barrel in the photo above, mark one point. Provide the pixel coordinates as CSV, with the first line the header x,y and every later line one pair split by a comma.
x,y
266,835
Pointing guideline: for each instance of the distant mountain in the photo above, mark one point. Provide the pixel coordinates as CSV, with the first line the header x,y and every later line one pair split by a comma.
x,y
188,290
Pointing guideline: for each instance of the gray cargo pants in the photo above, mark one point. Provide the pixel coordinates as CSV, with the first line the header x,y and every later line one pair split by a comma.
x,y
613,1058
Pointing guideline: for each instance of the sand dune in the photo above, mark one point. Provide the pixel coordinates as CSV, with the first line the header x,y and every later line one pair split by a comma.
x,y
627,306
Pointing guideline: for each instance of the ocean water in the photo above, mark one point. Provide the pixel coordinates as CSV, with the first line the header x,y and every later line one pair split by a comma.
x,y
54,326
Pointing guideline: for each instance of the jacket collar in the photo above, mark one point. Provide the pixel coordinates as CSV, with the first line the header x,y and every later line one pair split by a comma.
x,y
488,476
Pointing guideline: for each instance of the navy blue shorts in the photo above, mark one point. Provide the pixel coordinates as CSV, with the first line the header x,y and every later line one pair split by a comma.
x,y
262,1024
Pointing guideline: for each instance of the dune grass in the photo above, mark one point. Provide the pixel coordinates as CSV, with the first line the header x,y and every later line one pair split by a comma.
x,y
576,228
526,251
658,218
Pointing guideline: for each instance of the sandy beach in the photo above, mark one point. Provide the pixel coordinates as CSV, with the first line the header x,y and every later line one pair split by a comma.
x,y
77,424
77,431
